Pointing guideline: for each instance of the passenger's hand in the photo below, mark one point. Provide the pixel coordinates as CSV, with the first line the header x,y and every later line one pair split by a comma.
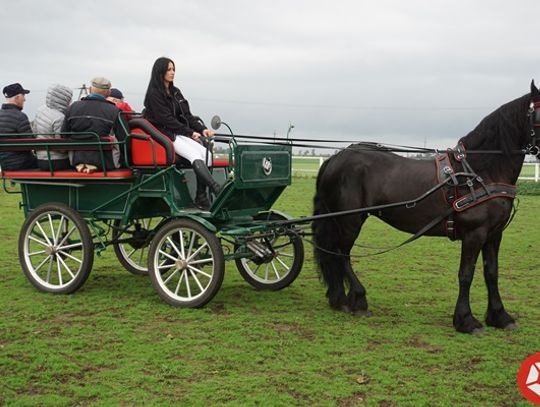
x,y
196,136
208,133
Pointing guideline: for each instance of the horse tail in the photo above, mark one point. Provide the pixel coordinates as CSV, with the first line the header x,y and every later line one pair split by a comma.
x,y
325,235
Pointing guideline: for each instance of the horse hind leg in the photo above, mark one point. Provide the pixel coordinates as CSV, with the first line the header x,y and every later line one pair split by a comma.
x,y
356,299
334,239
331,272
332,247
496,315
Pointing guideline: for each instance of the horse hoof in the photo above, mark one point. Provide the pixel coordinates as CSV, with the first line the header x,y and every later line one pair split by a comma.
x,y
345,309
511,327
478,332
361,313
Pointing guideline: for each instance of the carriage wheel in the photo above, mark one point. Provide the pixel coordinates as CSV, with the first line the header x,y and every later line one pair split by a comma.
x,y
56,251
186,263
277,270
132,253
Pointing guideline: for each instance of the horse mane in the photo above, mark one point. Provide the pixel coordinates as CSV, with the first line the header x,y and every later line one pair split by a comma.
x,y
505,130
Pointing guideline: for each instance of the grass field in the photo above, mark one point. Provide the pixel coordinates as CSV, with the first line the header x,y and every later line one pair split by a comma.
x,y
114,342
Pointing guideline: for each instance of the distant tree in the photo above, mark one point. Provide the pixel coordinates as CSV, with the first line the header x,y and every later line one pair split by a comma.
x,y
313,152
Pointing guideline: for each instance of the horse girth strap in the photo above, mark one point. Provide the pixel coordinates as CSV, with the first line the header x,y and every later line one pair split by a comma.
x,y
483,194
475,196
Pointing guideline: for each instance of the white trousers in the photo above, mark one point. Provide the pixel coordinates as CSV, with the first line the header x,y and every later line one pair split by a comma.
x,y
191,150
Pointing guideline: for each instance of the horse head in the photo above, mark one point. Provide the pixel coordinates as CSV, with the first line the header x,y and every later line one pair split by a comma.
x,y
534,114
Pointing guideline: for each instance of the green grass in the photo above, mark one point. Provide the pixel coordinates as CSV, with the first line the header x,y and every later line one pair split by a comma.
x,y
114,342
527,170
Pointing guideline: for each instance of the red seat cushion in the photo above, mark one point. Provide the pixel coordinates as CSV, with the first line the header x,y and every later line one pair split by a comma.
x,y
220,163
149,146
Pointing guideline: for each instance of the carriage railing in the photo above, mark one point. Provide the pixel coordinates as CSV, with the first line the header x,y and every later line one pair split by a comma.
x,y
68,141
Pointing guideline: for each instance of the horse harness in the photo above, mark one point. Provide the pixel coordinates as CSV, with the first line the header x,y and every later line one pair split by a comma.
x,y
477,193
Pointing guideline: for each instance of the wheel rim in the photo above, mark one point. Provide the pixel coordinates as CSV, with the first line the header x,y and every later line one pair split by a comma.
x,y
138,257
277,268
54,250
184,264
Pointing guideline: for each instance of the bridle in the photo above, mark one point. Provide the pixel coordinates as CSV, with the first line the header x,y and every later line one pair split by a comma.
x,y
534,124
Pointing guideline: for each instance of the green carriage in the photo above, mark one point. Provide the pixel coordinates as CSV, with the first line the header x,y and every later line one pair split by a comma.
x,y
145,211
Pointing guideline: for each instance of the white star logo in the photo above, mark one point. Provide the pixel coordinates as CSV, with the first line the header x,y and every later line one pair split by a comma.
x,y
532,382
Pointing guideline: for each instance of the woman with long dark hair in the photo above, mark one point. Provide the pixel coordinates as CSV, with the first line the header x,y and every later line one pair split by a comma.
x,y
168,110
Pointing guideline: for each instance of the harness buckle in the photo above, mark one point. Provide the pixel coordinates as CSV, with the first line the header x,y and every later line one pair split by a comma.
x,y
460,203
533,150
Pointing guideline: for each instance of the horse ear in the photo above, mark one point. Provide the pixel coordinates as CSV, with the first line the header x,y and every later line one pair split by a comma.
x,y
534,89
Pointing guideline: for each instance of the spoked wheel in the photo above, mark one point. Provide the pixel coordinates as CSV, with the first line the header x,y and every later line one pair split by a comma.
x,y
56,251
186,263
281,264
132,250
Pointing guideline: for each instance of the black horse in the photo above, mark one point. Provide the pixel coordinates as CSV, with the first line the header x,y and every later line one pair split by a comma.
x,y
473,204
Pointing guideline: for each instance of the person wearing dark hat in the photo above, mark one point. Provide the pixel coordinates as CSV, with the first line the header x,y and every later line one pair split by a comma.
x,y
12,121
117,98
93,114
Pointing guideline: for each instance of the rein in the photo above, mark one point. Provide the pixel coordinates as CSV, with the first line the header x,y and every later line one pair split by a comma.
x,y
365,145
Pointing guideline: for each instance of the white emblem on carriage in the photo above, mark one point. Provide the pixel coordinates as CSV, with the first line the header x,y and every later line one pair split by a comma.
x,y
267,165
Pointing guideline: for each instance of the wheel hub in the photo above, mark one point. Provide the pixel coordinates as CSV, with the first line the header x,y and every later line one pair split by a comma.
x,y
50,250
181,264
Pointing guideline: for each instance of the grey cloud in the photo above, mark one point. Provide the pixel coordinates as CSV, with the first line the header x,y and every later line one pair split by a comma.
x,y
410,72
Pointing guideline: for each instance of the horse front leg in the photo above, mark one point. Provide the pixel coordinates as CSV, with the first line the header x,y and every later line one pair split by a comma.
x,y
496,314
464,321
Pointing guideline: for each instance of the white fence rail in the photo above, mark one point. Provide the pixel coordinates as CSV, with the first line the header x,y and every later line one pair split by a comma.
x,y
319,160
536,176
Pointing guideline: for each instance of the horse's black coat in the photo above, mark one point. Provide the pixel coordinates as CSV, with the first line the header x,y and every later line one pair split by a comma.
x,y
360,177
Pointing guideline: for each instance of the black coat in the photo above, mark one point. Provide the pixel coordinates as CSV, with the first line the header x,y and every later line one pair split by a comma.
x,y
92,114
171,114
13,120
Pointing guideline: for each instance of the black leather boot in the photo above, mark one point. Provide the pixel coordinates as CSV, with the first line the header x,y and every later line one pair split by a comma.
x,y
203,174
201,196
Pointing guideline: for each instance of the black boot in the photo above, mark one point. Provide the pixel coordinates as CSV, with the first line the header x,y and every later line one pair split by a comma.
x,y
201,196
203,174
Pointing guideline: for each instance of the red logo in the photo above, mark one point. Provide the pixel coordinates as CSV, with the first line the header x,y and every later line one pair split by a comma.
x,y
528,378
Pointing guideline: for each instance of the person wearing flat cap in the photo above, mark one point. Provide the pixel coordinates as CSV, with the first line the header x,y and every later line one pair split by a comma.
x,y
14,121
93,114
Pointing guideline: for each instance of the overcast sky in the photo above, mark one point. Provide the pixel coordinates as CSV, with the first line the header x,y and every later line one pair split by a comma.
x,y
401,72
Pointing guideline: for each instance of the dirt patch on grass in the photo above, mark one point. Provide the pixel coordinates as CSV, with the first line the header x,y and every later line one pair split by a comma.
x,y
295,329
418,342
219,309
353,400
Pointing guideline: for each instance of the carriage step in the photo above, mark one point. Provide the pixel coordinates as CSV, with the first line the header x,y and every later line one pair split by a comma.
x,y
259,249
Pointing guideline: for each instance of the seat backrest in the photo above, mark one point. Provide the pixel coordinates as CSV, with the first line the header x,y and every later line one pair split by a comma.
x,y
148,146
